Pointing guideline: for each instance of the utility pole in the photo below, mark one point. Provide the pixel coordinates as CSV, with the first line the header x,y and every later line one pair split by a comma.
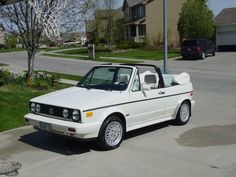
x,y
165,34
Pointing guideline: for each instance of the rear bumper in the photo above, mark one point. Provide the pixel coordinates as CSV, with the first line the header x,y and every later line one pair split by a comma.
x,y
190,54
81,131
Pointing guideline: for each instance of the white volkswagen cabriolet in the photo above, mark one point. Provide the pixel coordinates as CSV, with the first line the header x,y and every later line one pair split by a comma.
x,y
112,100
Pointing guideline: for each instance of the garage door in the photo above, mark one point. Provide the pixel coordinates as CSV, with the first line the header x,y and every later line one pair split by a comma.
x,y
226,38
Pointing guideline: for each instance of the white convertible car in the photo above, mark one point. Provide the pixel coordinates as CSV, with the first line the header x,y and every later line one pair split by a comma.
x,y
112,100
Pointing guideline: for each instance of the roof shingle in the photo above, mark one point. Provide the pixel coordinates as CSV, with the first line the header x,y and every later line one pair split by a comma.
x,y
226,17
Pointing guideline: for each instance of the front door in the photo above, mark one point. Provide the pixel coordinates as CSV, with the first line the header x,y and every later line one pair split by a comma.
x,y
146,105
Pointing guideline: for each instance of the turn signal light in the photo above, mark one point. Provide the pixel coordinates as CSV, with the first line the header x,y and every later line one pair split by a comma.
x,y
71,130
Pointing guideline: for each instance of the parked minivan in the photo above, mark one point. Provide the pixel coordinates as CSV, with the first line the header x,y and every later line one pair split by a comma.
x,y
197,48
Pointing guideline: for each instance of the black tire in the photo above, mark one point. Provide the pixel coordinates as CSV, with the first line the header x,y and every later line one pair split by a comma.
x,y
102,141
180,120
214,53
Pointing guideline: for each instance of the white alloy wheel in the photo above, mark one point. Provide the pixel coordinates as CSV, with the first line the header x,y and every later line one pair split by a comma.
x,y
113,133
184,112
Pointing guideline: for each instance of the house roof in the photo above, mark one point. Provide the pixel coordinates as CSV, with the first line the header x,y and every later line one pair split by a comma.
x,y
226,17
131,3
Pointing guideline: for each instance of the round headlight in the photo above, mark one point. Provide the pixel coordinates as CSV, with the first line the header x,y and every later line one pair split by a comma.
x,y
38,108
65,113
76,115
32,107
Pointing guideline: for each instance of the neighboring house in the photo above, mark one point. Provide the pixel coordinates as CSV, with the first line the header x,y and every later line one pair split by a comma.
x,y
144,20
2,37
75,38
225,24
98,28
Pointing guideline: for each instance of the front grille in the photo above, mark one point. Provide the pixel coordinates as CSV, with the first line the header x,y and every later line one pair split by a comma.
x,y
55,112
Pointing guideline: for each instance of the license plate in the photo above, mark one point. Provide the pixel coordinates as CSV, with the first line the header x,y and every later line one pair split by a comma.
x,y
189,49
45,126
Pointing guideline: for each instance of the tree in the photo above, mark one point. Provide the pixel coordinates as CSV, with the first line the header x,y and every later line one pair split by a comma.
x,y
104,17
20,20
196,20
119,34
11,40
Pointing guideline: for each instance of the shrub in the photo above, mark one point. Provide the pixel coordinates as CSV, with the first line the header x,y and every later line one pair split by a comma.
x,y
101,40
18,79
41,79
130,45
104,49
4,77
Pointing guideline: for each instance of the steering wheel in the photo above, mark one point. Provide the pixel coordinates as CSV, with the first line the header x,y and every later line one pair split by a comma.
x,y
122,83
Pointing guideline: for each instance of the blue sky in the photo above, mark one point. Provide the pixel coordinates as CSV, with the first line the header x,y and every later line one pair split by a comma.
x,y
215,5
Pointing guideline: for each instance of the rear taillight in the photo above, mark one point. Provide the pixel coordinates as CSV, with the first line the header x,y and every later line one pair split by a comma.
x,y
198,49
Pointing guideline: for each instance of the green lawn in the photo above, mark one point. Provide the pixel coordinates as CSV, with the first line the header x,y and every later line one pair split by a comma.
x,y
75,52
11,50
14,105
142,54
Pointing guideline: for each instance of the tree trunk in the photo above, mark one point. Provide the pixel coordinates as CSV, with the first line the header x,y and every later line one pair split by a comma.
x,y
31,56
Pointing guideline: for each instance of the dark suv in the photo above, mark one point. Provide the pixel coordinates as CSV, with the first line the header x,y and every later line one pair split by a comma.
x,y
197,48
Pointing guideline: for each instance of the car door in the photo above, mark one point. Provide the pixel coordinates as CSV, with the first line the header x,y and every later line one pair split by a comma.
x,y
146,104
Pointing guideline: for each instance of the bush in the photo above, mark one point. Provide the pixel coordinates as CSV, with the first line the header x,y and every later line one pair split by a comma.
x,y
103,49
4,77
43,80
130,45
101,40
19,80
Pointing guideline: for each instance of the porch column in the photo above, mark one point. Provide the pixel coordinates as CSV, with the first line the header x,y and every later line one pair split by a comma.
x,y
137,33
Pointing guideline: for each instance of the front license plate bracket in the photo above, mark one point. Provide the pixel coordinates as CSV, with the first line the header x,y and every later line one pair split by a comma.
x,y
45,126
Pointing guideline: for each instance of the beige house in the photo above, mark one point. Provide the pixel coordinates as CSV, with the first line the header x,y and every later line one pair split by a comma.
x,y
2,37
144,21
225,23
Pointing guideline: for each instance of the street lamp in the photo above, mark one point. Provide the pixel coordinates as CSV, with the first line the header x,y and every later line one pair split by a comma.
x,y
165,34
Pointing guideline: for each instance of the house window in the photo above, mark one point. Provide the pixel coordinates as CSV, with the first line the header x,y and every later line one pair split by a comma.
x,y
138,12
142,30
133,30
127,13
142,11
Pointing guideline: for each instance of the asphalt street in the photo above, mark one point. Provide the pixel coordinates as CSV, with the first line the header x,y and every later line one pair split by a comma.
x,y
206,147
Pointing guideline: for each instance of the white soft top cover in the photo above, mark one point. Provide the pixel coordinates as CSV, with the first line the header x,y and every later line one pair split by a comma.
x,y
182,78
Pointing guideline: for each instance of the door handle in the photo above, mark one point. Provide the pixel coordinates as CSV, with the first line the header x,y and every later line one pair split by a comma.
x,y
162,93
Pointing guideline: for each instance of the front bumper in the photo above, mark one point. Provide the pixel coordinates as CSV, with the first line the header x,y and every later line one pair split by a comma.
x,y
81,131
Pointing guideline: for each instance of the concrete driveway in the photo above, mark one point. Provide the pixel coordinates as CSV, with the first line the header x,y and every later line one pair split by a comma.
x,y
206,147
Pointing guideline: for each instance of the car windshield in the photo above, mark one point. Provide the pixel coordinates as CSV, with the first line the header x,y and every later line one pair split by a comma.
x,y
190,43
107,78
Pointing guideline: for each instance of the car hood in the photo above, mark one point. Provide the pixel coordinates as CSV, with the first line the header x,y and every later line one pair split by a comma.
x,y
80,98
